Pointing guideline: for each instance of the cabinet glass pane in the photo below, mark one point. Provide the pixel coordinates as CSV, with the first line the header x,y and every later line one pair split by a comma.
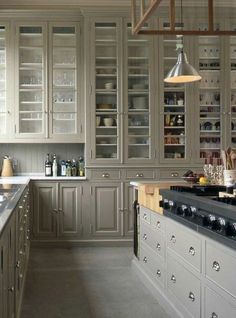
x,y
64,114
3,110
174,107
106,64
138,59
209,97
233,88
31,79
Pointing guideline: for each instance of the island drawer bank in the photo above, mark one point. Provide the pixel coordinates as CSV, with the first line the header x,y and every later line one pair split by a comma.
x,y
14,252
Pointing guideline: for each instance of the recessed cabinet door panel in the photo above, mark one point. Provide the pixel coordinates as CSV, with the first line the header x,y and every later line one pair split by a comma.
x,y
45,209
128,210
106,214
70,210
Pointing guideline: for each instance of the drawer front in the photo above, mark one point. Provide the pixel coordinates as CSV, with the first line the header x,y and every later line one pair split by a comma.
x,y
184,285
185,244
157,222
155,240
171,173
220,267
106,174
153,265
217,307
140,174
145,215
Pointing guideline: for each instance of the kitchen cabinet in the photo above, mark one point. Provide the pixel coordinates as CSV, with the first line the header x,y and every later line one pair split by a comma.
x,y
6,102
128,214
119,92
4,275
47,86
106,209
57,210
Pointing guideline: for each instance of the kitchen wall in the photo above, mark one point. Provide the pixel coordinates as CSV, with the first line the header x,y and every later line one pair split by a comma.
x,y
30,158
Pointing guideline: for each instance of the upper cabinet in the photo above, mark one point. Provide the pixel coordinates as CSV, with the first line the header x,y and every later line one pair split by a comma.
x,y
48,93
119,94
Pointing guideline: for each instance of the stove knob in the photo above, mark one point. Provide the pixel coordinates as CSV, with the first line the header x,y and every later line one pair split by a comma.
x,y
166,204
231,230
209,220
171,204
219,224
193,210
186,210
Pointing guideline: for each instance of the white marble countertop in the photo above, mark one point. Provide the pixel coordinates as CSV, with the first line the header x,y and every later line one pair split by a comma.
x,y
137,183
24,179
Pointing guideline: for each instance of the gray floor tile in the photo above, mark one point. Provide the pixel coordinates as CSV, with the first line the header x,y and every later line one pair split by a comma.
x,y
86,282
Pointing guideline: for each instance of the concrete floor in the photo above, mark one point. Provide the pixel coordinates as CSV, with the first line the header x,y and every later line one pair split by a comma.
x,y
86,282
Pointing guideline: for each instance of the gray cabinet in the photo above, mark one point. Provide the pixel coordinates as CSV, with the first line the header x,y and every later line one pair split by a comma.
x,y
4,275
57,210
106,209
128,215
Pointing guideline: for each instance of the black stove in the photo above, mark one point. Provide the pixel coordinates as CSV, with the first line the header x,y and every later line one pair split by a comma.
x,y
201,209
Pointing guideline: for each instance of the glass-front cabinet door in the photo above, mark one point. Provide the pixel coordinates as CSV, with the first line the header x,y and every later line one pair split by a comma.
x,y
105,108
174,116
31,80
4,83
232,110
138,119
63,99
210,97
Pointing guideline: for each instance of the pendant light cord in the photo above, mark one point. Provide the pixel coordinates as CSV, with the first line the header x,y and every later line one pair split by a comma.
x,y
181,25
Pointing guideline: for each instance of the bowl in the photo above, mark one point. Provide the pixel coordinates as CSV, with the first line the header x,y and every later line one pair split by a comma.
x,y
193,179
108,121
109,85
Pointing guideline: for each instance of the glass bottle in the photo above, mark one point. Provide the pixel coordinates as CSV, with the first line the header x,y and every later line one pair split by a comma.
x,y
54,166
74,168
63,168
81,167
68,168
48,167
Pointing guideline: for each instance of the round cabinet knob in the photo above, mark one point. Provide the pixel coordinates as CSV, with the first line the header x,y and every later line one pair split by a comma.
x,y
105,175
158,225
145,259
145,216
192,251
18,264
214,315
11,289
145,237
173,279
216,266
158,247
139,175
158,273
174,174
173,239
191,296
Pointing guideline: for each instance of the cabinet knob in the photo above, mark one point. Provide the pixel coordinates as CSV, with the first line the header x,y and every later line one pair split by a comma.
x,y
158,224
192,251
216,266
11,289
158,273
8,112
145,237
145,259
173,279
139,175
173,239
105,175
145,216
174,174
158,247
18,264
214,315
191,296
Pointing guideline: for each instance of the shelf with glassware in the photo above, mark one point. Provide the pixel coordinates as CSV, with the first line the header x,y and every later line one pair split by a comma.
x,y
138,55
209,97
3,82
106,90
63,108
31,80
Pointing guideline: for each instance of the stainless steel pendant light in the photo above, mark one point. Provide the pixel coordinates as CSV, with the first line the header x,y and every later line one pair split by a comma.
x,y
182,71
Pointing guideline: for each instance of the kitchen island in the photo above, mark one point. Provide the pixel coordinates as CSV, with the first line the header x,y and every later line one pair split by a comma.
x,y
187,255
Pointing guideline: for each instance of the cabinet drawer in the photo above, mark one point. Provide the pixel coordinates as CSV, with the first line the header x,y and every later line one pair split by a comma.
x,y
220,267
157,222
184,285
145,215
106,174
171,173
155,240
217,307
184,243
153,265
140,174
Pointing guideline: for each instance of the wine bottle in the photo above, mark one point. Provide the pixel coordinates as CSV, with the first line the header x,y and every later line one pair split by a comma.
x,y
54,166
48,167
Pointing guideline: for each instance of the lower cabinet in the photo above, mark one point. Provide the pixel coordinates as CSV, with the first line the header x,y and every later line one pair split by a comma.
x,y
106,209
57,210
14,250
199,273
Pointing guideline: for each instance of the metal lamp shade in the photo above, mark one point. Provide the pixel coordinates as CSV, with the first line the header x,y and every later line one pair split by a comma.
x,y
182,72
